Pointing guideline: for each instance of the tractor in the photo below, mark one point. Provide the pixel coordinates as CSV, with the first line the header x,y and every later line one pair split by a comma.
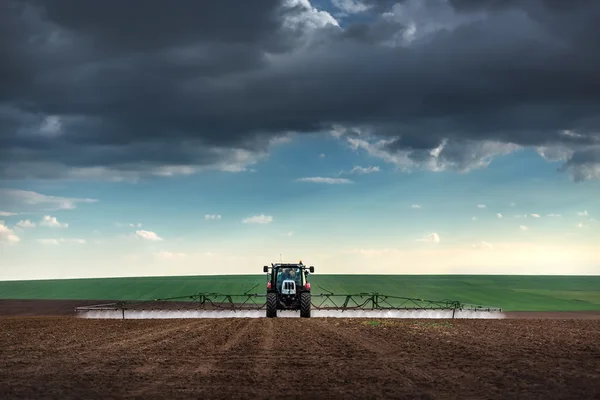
x,y
288,288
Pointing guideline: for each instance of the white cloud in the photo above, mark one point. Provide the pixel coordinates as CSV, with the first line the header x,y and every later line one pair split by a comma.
x,y
554,215
283,139
52,222
210,217
582,213
364,170
430,238
7,235
28,201
173,170
258,219
580,225
513,204
148,235
555,153
329,181
474,218
231,160
130,225
338,131
51,126
6,214
425,19
523,227
25,223
448,156
483,245
56,242
417,206
481,206
290,233
535,215
350,6
499,215
582,172
322,155
308,18
169,255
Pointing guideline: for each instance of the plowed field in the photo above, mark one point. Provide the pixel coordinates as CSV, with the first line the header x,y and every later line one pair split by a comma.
x,y
65,357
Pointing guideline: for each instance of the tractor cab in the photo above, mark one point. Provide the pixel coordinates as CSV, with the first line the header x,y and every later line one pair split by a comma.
x,y
288,288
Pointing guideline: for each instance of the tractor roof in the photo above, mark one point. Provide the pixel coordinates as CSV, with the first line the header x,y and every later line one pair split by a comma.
x,y
288,265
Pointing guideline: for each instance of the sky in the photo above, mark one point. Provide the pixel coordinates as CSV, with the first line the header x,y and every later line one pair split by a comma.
x,y
360,136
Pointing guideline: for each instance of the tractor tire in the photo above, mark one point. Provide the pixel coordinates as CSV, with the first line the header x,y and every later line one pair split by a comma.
x,y
305,305
271,305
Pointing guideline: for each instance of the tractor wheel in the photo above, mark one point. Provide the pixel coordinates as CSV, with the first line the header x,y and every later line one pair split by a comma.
x,y
305,305
271,305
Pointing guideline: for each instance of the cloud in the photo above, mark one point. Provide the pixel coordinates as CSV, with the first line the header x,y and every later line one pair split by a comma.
x,y
6,214
364,170
447,156
258,219
483,245
535,216
7,235
56,242
513,204
499,215
351,6
148,235
582,213
24,224
430,238
523,227
417,206
329,181
457,83
481,206
169,255
29,201
580,225
322,155
52,222
554,215
209,217
130,225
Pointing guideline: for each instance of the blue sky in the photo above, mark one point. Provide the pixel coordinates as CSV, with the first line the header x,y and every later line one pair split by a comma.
x,y
384,221
402,137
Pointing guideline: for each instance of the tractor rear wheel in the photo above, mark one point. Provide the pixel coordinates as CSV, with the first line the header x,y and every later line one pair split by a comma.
x,y
271,305
305,305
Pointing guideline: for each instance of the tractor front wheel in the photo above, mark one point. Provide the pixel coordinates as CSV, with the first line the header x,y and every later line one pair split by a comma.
x,y
305,305
271,305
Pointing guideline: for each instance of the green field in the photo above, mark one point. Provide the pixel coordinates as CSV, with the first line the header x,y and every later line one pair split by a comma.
x,y
512,293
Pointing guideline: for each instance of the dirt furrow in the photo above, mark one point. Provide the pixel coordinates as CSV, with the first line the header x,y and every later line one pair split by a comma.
x,y
298,358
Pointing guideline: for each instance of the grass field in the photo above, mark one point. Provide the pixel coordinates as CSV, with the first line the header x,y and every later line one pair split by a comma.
x,y
512,293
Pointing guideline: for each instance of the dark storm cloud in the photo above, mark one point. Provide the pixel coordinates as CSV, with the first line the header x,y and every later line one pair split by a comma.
x,y
152,24
137,84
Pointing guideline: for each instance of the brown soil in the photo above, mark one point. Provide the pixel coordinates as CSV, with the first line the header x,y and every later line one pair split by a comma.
x,y
66,357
